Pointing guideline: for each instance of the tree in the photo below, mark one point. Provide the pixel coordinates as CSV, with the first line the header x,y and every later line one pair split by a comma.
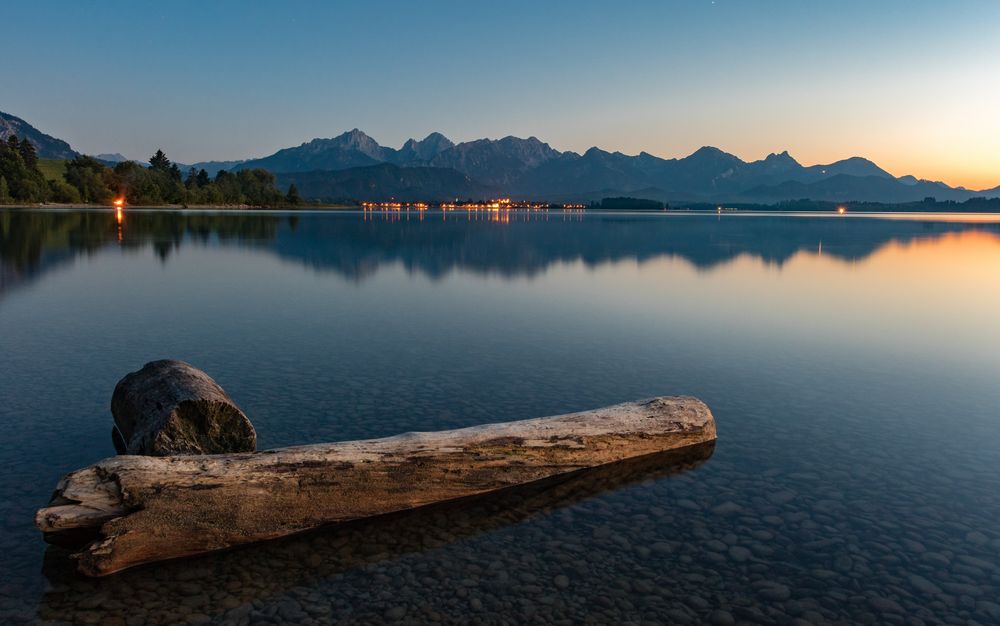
x,y
4,191
293,197
61,191
25,183
202,179
94,181
159,161
28,153
175,172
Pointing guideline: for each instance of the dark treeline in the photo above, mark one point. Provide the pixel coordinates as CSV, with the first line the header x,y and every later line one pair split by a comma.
x,y
87,180
20,178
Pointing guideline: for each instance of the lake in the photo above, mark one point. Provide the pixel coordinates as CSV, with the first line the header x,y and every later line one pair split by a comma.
x,y
852,364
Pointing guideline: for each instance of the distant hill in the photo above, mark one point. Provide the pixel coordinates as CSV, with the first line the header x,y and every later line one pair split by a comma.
x,y
844,187
351,149
384,182
211,167
47,146
111,157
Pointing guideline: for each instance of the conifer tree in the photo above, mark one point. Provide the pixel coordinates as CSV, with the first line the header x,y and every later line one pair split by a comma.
x,y
28,153
159,161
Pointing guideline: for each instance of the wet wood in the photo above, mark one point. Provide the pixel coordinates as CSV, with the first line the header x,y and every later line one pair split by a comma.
x,y
143,509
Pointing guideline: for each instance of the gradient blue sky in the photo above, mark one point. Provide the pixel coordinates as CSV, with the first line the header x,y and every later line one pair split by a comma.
x,y
913,85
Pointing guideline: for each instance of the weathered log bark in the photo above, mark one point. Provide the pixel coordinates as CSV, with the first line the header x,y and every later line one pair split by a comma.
x,y
169,407
145,509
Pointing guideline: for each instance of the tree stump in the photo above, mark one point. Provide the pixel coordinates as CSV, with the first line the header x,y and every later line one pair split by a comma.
x,y
170,407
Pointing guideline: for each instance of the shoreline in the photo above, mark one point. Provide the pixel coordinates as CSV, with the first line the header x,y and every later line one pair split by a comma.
x,y
183,207
904,209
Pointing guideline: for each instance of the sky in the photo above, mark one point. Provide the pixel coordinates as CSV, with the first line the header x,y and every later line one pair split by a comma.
x,y
912,85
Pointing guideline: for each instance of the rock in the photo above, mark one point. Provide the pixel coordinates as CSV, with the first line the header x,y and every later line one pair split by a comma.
x,y
923,585
773,591
722,618
976,562
886,605
561,581
989,608
169,407
782,497
727,508
740,554
976,537
716,546
395,613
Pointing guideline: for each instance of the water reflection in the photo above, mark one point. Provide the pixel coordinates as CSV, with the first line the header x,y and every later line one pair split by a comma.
x,y
508,243
851,363
309,559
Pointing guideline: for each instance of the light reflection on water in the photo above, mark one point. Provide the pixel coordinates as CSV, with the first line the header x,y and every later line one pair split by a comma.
x,y
851,365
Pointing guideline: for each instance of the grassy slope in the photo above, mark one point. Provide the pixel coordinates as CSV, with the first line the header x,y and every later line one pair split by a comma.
x,y
53,169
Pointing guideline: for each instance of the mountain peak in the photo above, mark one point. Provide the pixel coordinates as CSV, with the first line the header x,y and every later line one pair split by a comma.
x,y
356,134
782,159
426,149
712,152
857,166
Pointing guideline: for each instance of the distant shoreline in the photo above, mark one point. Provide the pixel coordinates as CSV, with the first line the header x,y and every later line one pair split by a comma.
x,y
181,207
900,209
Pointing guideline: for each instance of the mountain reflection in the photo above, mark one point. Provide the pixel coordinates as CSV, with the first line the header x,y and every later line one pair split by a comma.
x,y
355,245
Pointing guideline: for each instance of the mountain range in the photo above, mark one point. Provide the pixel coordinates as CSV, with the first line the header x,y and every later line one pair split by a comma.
x,y
531,169
353,165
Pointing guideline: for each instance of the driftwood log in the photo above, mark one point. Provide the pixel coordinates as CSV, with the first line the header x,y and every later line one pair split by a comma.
x,y
308,559
170,407
136,509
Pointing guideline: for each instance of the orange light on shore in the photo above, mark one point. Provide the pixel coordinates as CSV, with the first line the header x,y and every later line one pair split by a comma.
x,y
841,210
119,202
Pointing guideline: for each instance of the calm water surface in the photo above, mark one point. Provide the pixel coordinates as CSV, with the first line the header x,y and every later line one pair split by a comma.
x,y
853,365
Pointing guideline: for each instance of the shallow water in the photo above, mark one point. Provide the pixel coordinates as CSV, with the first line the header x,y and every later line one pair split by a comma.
x,y
852,365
